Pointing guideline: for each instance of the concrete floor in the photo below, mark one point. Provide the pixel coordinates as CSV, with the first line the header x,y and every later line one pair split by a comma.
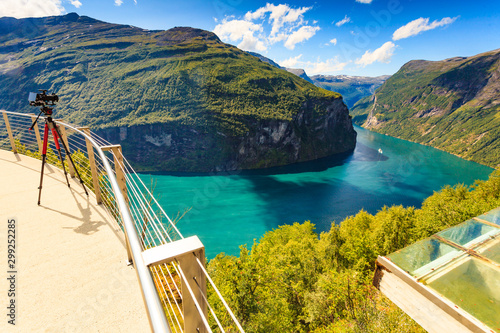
x,y
70,258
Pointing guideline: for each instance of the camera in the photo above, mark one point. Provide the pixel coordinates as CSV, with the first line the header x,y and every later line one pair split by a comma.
x,y
42,98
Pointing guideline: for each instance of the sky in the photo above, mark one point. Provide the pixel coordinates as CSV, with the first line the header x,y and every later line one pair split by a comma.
x,y
331,37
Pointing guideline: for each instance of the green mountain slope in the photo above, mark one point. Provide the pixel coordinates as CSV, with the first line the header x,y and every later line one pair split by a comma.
x,y
184,99
452,104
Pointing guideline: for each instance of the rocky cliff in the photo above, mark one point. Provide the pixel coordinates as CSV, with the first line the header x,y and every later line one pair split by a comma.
x,y
268,143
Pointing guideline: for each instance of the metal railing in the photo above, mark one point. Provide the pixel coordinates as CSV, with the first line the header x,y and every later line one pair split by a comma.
x,y
170,268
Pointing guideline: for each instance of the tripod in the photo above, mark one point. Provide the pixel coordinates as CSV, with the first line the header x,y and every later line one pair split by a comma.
x,y
52,126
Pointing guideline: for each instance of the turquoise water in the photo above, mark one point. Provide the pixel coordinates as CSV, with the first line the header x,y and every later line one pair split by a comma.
x,y
228,210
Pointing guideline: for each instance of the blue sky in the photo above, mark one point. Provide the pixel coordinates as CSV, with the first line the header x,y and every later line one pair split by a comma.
x,y
352,37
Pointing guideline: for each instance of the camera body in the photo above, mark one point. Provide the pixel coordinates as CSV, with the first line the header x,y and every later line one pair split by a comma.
x,y
42,98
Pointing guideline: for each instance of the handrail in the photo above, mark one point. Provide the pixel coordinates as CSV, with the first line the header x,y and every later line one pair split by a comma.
x,y
156,315
170,268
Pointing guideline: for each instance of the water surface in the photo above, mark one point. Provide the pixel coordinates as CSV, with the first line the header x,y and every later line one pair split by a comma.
x,y
228,210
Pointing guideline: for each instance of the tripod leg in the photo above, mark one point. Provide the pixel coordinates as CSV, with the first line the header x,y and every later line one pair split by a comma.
x,y
44,155
56,141
71,160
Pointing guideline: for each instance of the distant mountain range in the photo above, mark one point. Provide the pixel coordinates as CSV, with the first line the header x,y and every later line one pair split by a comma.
x,y
176,100
453,104
352,88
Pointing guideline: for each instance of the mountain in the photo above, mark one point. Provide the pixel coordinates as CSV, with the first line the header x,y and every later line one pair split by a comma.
x,y
300,73
297,71
452,105
352,88
176,100
265,59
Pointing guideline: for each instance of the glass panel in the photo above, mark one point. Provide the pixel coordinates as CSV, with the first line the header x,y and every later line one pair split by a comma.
x,y
492,216
422,253
468,233
475,287
491,251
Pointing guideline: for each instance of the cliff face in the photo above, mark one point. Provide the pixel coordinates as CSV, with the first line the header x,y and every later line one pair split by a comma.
x,y
269,143
178,100
451,104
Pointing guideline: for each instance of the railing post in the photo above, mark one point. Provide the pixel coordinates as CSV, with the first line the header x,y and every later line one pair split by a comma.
x,y
119,168
93,169
64,137
185,252
122,182
9,131
197,283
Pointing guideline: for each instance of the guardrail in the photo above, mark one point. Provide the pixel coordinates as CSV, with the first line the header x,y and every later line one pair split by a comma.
x,y
170,268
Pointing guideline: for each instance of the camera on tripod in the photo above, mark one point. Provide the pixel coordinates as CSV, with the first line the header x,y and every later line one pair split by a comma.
x,y
46,101
42,99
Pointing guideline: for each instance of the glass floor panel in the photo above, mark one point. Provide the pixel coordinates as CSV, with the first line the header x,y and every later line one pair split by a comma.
x,y
428,251
469,233
475,287
462,263
491,251
492,216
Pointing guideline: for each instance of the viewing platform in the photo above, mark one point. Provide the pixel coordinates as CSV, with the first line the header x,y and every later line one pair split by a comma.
x,y
112,261
71,258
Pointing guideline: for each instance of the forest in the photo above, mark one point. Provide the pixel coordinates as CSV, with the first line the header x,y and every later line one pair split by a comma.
x,y
294,280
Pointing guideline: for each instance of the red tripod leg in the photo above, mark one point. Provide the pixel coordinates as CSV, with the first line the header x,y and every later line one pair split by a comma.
x,y
56,141
70,159
44,154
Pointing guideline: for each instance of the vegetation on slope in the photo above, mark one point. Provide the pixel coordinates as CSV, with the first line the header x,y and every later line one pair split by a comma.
x,y
294,281
452,105
114,75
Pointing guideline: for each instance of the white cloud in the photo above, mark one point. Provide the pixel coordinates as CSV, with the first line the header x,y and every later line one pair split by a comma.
x,y
76,3
419,25
118,2
364,1
304,33
382,54
343,21
291,62
317,67
30,8
235,30
278,15
333,41
325,67
267,25
252,43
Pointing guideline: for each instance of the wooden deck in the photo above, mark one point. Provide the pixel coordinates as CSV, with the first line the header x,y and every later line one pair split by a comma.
x,y
70,268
